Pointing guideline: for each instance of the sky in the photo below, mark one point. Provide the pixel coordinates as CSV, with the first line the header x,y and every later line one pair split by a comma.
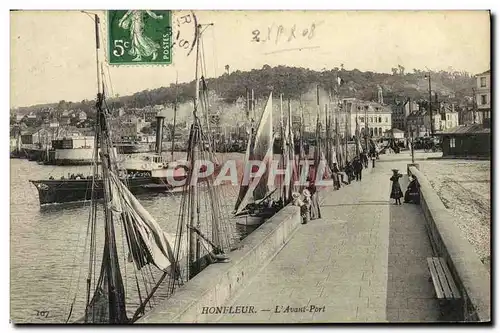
x,y
53,52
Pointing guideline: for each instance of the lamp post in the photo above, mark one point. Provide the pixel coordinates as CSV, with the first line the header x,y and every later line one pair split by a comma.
x,y
474,105
366,129
428,76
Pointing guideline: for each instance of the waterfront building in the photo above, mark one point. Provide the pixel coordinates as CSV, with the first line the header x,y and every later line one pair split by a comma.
x,y
483,96
467,141
372,117
401,111
35,136
419,122
449,117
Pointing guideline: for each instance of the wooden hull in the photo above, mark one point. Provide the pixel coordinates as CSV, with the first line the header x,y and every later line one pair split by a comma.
x,y
76,190
249,220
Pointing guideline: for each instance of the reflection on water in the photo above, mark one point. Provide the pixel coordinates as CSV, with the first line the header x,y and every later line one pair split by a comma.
x,y
47,243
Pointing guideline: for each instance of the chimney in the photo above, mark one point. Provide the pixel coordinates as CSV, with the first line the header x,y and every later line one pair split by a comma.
x,y
159,132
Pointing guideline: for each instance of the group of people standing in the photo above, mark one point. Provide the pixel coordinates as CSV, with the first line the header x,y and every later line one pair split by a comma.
x,y
412,194
353,170
308,202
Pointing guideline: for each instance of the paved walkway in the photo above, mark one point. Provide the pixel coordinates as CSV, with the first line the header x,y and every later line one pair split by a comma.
x,y
365,261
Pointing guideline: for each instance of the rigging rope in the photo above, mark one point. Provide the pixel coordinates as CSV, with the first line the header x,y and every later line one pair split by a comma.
x,y
214,56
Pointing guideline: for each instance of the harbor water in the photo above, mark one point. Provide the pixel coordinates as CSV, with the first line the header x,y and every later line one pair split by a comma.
x,y
47,259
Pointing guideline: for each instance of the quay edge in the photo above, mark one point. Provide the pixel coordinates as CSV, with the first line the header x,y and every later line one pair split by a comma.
x,y
467,269
219,282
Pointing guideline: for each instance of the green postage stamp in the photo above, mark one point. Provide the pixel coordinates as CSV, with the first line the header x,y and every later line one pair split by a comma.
x,y
140,37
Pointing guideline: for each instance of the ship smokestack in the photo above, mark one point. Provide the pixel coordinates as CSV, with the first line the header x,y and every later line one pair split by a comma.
x,y
159,132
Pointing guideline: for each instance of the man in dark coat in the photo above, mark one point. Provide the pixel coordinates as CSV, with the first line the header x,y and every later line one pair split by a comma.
x,y
350,172
358,168
364,159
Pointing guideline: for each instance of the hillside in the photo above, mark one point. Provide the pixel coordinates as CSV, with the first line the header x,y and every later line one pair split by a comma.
x,y
293,82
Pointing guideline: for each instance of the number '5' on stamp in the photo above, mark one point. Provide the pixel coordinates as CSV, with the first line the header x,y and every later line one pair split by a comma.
x,y
140,37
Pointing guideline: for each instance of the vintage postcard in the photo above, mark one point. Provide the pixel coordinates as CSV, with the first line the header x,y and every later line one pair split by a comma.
x,y
250,166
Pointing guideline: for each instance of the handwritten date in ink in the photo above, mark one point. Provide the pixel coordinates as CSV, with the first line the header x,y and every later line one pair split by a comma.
x,y
279,33
42,313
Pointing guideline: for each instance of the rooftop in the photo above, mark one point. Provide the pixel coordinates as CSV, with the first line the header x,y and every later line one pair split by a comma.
x,y
484,73
467,129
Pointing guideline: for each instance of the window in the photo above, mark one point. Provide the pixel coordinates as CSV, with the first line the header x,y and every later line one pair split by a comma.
x,y
484,100
371,119
362,119
379,119
380,131
452,143
483,81
386,119
447,117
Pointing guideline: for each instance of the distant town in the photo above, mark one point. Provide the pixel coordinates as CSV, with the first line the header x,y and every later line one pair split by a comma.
x,y
385,115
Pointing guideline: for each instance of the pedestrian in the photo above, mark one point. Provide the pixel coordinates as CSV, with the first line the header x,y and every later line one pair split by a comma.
x,y
314,200
364,159
304,211
396,192
358,168
335,176
350,172
373,157
412,194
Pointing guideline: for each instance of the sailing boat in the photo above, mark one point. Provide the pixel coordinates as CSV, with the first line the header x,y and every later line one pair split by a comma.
x,y
147,244
251,207
156,257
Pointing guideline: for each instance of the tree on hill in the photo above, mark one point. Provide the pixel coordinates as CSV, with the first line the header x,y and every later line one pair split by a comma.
x,y
292,82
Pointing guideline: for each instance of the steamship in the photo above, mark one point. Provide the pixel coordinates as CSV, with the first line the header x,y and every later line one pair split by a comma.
x,y
143,174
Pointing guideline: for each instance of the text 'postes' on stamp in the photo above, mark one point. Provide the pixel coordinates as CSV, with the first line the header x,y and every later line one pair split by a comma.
x,y
140,37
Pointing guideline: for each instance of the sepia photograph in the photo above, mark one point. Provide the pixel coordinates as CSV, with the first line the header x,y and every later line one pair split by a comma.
x,y
250,166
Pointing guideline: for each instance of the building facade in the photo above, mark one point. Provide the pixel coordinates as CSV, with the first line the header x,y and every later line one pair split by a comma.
x,y
467,141
373,118
449,117
419,123
483,95
400,113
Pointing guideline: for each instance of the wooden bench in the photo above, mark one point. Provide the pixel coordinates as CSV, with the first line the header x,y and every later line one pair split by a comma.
x,y
442,279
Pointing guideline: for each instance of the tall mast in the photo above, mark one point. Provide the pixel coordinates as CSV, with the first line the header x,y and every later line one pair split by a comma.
x,y
175,114
283,147
346,135
193,239
291,149
110,263
247,105
318,129
194,244
327,134
302,131
253,108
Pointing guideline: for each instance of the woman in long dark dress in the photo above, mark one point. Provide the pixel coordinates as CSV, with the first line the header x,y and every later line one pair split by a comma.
x,y
396,192
412,194
313,194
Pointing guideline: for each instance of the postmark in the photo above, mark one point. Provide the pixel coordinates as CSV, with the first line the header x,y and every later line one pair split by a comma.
x,y
139,37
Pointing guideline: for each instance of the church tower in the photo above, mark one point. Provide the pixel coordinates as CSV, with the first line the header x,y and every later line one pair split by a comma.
x,y
380,95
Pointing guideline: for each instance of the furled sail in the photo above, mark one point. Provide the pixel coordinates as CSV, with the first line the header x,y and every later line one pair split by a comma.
x,y
147,241
262,150
290,144
244,187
